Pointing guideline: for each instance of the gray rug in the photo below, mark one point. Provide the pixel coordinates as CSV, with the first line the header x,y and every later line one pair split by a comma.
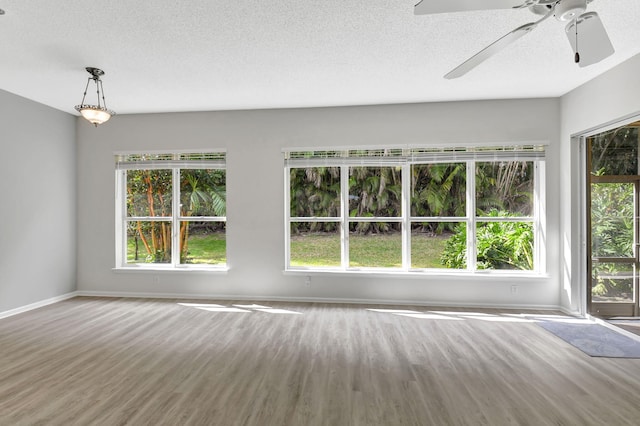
x,y
594,339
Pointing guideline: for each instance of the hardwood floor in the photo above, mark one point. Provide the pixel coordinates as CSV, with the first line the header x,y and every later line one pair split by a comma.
x,y
101,361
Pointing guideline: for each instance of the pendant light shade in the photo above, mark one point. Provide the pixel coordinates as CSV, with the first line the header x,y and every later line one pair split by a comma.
x,y
99,113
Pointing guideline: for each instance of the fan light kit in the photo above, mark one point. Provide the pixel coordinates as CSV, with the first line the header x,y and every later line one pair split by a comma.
x,y
99,113
581,26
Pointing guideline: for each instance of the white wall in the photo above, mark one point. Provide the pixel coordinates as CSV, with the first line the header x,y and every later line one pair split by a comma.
x,y
610,97
255,242
38,193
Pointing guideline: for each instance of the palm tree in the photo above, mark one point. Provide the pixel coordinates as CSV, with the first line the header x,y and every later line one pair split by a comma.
x,y
203,193
149,195
315,191
438,189
375,192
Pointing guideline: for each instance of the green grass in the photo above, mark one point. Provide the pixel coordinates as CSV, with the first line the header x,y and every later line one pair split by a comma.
x,y
373,250
426,250
323,249
210,249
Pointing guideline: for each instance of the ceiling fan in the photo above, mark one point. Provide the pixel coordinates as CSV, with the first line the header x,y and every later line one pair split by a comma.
x,y
585,31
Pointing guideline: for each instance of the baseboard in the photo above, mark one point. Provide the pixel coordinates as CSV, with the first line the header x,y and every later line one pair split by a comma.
x,y
37,305
569,312
275,299
312,300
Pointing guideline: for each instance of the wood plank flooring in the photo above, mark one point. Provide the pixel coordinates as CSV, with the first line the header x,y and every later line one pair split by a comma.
x,y
102,361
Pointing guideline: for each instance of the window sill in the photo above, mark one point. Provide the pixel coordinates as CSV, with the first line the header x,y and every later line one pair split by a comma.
x,y
171,269
418,274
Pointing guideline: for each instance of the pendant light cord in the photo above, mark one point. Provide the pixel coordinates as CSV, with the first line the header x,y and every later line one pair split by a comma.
x,y
577,57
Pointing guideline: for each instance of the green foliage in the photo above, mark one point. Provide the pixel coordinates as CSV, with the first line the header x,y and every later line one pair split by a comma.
x,y
612,219
612,235
500,245
203,192
454,254
149,194
375,192
314,192
612,281
438,189
505,185
615,152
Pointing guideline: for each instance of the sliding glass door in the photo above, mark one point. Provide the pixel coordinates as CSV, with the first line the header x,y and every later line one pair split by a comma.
x,y
613,209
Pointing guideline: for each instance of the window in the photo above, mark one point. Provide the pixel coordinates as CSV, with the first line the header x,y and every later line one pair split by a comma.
x,y
171,210
422,209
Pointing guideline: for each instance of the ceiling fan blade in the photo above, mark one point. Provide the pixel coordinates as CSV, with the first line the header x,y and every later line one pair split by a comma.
x,y
592,39
490,50
426,7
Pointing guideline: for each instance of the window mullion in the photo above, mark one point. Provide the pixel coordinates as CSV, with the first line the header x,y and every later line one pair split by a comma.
x,y
121,213
471,216
175,221
406,213
344,209
539,219
287,217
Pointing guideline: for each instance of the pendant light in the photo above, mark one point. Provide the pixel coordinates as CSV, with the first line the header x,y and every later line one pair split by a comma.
x,y
95,114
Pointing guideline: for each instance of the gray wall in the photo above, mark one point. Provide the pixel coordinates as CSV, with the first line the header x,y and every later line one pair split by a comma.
x,y
608,98
40,221
255,190
38,193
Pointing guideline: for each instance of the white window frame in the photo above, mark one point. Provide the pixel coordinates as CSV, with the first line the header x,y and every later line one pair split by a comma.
x,y
406,157
174,161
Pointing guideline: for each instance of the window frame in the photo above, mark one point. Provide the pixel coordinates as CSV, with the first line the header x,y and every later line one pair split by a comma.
x,y
405,158
176,161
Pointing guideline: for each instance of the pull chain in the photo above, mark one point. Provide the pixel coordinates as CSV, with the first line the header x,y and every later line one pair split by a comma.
x,y
577,57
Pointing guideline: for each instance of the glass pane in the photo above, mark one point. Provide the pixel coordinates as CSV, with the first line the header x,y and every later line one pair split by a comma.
x,y
439,245
438,189
612,282
315,244
615,152
375,249
203,192
315,191
203,243
504,245
504,188
375,191
148,242
148,193
612,219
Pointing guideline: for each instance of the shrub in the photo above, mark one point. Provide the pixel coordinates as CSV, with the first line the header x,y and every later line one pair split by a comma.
x,y
500,245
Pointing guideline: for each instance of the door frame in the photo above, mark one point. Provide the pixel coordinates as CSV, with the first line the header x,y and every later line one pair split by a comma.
x,y
584,202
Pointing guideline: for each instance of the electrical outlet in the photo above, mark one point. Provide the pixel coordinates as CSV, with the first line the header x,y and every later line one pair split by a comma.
x,y
514,289
156,279
307,281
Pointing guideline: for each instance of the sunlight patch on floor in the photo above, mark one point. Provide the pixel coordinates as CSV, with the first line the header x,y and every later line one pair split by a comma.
x,y
239,308
479,316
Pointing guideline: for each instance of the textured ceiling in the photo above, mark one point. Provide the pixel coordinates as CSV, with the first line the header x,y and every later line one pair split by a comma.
x,y
169,55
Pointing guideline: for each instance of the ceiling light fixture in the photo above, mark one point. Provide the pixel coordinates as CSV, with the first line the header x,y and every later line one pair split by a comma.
x,y
95,114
